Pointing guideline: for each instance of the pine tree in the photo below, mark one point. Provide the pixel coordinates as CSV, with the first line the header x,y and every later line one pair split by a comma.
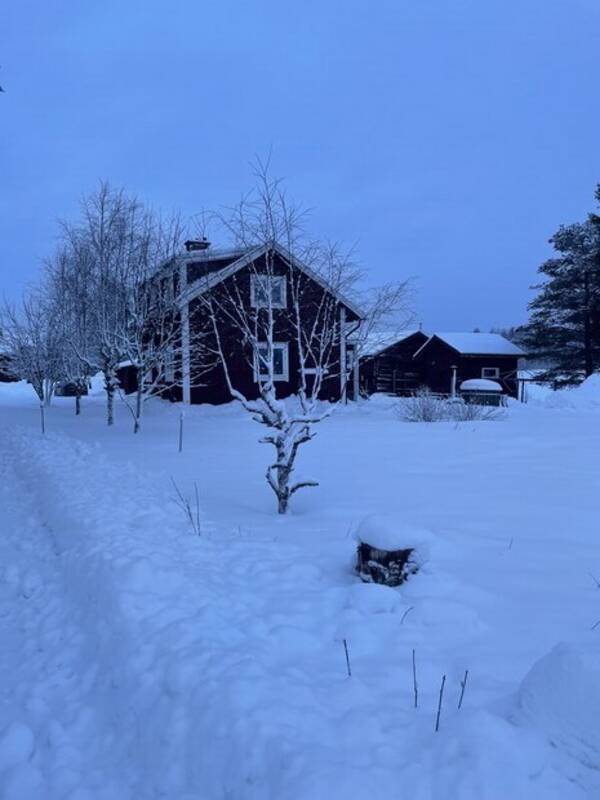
x,y
564,324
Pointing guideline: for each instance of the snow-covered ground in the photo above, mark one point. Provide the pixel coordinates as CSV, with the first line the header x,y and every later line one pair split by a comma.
x,y
139,661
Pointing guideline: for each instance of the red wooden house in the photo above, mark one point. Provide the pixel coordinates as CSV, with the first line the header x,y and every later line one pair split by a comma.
x,y
255,276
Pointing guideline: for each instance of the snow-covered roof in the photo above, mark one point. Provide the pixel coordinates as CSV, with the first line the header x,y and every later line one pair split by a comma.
x,y
207,282
379,341
476,344
480,385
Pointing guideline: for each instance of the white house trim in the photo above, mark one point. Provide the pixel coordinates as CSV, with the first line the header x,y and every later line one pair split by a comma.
x,y
343,362
185,340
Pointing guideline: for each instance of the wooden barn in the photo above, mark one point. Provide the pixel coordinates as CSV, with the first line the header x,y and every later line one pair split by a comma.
x,y
446,360
387,363
248,275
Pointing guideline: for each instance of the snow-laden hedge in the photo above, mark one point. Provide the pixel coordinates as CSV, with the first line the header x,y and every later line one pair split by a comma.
x,y
425,406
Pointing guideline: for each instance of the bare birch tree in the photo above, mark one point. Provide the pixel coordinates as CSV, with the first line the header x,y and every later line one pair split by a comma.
x,y
102,245
32,336
122,299
69,288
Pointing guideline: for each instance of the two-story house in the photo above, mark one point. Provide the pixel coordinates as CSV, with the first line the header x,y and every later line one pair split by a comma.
x,y
311,323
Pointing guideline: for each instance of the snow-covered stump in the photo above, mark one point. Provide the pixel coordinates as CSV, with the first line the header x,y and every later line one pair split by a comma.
x,y
390,567
387,552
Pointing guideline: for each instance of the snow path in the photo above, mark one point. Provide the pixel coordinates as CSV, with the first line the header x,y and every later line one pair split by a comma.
x,y
49,642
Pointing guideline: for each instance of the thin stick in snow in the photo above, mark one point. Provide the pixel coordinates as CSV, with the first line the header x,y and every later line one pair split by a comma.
x,y
415,685
595,579
439,708
192,515
595,625
347,658
43,420
463,684
181,432
406,613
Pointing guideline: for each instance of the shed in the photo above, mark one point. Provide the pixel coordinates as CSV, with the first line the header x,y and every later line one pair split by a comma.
x,y
387,365
446,360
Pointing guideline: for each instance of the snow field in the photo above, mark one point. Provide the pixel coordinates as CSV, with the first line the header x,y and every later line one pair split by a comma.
x,y
140,661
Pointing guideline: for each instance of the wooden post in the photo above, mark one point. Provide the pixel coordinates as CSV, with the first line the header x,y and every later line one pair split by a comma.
x,y
453,385
185,336
181,431
42,419
343,366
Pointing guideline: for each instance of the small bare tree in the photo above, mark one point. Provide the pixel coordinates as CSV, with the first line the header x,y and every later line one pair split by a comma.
x,y
297,291
121,304
33,337
103,245
68,286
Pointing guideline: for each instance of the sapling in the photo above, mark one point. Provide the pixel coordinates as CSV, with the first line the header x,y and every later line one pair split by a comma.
x,y
301,287
191,514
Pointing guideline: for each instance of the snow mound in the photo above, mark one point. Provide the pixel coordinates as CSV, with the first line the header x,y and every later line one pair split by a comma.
x,y
584,396
561,697
589,390
17,393
480,385
389,533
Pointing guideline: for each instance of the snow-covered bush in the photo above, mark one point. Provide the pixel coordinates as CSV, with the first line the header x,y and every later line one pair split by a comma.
x,y
423,406
460,411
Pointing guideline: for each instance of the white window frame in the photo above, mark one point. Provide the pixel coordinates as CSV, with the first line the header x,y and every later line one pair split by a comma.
x,y
285,375
268,280
496,371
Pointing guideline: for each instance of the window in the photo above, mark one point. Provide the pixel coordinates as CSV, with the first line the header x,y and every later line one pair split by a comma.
x,y
280,362
265,286
490,372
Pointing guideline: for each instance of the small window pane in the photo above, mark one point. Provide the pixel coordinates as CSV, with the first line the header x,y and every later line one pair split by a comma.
x,y
490,372
278,361
261,297
263,353
277,291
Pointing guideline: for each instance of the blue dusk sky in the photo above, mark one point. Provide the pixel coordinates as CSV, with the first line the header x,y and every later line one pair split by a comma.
x,y
447,139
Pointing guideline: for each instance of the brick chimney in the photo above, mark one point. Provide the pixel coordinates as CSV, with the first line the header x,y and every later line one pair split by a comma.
x,y
193,245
